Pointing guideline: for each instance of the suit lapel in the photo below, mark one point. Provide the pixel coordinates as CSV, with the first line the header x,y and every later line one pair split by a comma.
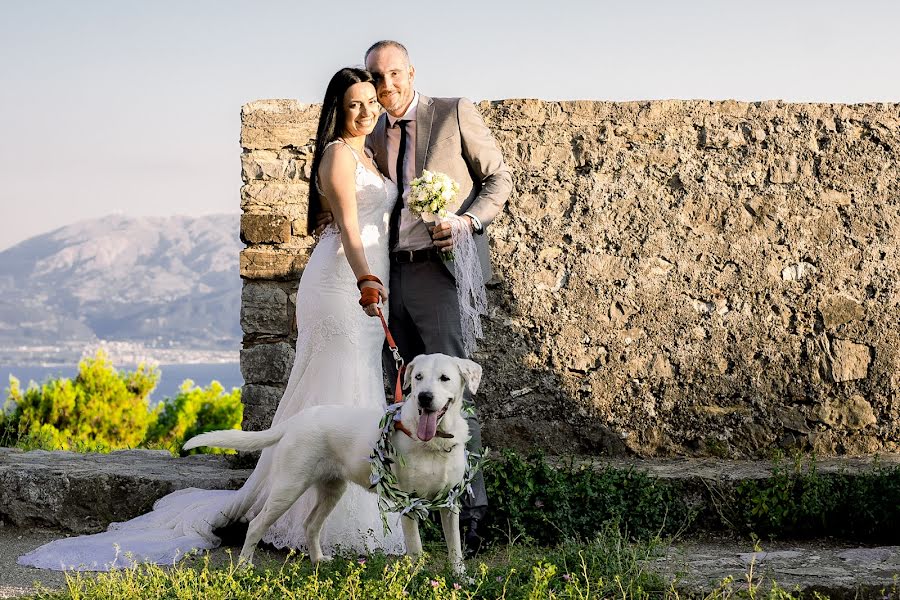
x,y
424,119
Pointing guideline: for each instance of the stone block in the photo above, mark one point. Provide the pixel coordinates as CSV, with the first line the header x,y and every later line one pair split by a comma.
x,y
849,360
265,229
264,309
84,493
269,165
839,309
269,197
260,403
267,363
276,124
852,413
264,263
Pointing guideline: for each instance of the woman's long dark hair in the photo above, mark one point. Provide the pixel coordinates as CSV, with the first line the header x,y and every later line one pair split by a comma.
x,y
331,123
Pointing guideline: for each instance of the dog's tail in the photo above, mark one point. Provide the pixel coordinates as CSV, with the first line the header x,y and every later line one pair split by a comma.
x,y
236,439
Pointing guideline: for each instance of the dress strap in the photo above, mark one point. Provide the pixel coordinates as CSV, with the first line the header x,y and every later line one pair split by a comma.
x,y
359,162
340,141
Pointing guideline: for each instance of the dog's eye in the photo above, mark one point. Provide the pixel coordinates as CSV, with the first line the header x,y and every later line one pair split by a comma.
x,y
418,377
444,378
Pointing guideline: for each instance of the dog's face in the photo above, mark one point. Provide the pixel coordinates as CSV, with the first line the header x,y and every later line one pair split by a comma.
x,y
437,381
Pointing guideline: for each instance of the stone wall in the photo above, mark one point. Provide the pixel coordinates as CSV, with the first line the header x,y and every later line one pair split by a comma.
x,y
673,277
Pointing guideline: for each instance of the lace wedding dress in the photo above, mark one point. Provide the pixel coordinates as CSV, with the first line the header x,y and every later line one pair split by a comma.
x,y
338,360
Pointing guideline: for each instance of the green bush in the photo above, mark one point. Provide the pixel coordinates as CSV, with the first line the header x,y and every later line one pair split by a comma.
x,y
799,501
533,500
103,409
193,411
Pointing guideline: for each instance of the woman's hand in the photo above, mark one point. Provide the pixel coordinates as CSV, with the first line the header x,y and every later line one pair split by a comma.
x,y
371,294
323,220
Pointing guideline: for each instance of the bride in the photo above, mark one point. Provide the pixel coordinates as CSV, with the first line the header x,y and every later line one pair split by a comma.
x,y
338,360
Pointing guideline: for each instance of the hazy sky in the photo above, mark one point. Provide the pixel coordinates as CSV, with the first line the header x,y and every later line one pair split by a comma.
x,y
133,107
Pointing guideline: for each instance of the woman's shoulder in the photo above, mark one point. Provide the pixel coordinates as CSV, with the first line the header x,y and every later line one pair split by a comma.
x,y
339,162
338,154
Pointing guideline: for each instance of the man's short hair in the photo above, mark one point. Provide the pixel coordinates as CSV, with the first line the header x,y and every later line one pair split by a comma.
x,y
386,44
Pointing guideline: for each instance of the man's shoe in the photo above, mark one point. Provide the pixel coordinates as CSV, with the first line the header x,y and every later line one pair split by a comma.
x,y
471,539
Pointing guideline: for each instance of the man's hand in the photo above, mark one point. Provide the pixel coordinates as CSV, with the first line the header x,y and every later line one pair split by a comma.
x,y
442,235
323,220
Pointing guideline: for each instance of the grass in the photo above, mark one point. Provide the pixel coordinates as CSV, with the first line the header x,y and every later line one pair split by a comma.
x,y
608,567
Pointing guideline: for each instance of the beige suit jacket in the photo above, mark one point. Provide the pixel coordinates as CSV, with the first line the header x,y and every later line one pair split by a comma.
x,y
451,138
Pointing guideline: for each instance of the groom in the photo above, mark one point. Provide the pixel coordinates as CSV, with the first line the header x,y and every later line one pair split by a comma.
x,y
446,135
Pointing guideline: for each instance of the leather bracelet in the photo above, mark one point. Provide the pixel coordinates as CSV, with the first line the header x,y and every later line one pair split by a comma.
x,y
368,296
364,278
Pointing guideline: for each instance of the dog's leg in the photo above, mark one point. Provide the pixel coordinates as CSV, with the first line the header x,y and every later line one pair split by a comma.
x,y
450,524
411,537
328,493
280,499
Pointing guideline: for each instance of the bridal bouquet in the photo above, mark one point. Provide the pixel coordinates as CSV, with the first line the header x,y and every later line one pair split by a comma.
x,y
431,194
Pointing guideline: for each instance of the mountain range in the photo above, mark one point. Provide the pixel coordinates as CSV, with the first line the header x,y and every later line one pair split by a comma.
x,y
155,281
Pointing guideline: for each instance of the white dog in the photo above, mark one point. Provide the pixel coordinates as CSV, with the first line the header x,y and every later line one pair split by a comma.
x,y
324,447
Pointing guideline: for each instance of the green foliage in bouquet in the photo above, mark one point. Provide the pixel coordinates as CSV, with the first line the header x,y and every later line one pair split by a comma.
x,y
193,411
103,409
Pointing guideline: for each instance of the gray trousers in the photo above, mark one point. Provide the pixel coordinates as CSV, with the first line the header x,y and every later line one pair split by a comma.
x,y
424,319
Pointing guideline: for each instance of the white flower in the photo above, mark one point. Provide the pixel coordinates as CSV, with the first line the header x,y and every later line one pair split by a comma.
x,y
432,192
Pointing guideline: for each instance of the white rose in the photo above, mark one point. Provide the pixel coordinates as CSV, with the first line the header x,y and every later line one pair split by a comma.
x,y
447,195
427,176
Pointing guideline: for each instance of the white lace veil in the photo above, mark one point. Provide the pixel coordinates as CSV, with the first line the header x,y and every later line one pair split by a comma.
x,y
470,292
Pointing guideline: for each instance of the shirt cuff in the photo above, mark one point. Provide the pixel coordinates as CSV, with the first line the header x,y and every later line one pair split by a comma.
x,y
476,223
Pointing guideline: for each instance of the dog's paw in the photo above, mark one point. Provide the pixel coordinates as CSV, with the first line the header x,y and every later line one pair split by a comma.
x,y
323,559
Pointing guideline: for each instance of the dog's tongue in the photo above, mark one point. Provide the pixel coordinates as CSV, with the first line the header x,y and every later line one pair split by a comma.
x,y
427,426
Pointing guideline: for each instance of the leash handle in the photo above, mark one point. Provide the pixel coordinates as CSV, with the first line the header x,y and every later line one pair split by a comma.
x,y
398,360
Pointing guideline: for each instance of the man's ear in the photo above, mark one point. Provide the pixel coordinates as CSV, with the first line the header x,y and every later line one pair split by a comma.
x,y
408,373
471,373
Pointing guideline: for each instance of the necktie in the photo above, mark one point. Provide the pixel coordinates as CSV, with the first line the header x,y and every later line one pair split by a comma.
x,y
394,232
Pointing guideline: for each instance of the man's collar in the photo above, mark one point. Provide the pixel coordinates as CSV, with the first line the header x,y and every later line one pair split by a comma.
x,y
409,115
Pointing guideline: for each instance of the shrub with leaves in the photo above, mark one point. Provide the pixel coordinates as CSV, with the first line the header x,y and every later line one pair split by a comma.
x,y
100,409
103,409
193,411
800,501
532,499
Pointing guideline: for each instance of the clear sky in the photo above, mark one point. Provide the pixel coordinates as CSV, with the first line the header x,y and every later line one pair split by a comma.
x,y
133,106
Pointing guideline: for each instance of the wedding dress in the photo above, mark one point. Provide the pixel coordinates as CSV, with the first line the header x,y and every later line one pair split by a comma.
x,y
338,361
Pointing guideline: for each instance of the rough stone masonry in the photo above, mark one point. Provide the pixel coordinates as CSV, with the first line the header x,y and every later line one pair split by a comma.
x,y
672,277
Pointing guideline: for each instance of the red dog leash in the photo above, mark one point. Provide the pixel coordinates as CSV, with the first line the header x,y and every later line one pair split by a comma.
x,y
398,361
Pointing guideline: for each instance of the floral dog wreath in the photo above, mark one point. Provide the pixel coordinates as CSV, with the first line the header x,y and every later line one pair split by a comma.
x,y
384,482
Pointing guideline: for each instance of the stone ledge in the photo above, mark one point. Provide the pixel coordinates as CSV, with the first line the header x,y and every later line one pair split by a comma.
x,y
712,469
833,568
83,493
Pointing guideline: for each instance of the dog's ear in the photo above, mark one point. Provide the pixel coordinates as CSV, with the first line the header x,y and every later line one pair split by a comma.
x,y
408,373
471,373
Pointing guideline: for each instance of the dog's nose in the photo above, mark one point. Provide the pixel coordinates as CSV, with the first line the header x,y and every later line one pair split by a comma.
x,y
425,399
